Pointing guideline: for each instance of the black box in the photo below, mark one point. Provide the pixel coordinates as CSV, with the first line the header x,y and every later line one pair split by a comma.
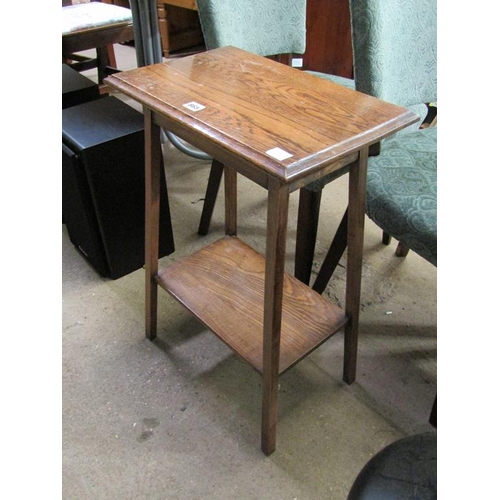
x,y
76,88
103,192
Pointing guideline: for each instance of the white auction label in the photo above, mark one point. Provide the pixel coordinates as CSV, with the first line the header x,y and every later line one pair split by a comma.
x,y
279,154
194,106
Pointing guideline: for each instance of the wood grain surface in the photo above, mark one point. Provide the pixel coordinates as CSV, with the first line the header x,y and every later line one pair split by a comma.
x,y
252,105
223,286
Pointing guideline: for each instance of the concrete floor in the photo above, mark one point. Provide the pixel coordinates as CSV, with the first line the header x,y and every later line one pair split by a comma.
x,y
179,417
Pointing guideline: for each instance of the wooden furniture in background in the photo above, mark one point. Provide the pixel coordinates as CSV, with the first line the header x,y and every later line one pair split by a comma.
x,y
120,3
328,41
284,129
180,28
328,50
100,37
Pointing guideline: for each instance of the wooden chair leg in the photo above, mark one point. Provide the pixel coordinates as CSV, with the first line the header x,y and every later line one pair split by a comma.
x,y
110,49
386,238
214,179
307,229
335,252
102,63
402,250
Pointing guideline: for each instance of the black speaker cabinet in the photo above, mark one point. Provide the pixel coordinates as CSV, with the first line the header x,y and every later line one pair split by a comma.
x,y
103,186
76,88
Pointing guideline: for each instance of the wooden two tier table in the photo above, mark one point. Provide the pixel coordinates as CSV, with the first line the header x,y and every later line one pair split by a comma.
x,y
281,128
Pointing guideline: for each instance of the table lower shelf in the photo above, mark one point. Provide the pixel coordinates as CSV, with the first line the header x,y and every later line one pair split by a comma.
x,y
223,286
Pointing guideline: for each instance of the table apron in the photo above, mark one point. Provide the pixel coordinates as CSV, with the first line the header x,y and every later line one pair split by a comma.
x,y
246,167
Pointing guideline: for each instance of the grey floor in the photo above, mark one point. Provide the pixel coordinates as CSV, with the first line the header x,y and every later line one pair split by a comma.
x,y
179,417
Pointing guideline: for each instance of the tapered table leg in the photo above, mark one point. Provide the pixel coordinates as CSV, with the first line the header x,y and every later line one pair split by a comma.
x,y
277,217
307,229
355,237
153,163
333,256
231,201
216,171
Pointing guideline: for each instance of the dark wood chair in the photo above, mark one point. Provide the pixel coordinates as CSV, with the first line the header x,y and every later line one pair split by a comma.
x,y
94,25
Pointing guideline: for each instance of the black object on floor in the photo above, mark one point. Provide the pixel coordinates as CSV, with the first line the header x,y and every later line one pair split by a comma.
x,y
76,88
103,188
406,468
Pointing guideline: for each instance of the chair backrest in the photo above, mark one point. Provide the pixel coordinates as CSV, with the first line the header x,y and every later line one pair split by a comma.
x,y
395,49
264,27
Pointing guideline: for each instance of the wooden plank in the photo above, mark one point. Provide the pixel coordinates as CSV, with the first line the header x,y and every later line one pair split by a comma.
x,y
328,38
223,286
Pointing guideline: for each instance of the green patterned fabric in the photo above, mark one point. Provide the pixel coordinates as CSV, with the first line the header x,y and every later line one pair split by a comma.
x,y
395,49
264,27
401,192
345,82
395,59
419,109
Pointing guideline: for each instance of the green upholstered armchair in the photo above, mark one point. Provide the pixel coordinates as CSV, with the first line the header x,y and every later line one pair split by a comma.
x,y
395,59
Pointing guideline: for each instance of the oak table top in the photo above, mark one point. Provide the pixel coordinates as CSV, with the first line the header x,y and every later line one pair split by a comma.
x,y
281,128
247,106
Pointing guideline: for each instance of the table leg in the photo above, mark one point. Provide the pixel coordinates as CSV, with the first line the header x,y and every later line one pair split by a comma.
x,y
277,217
216,172
355,237
153,163
231,200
